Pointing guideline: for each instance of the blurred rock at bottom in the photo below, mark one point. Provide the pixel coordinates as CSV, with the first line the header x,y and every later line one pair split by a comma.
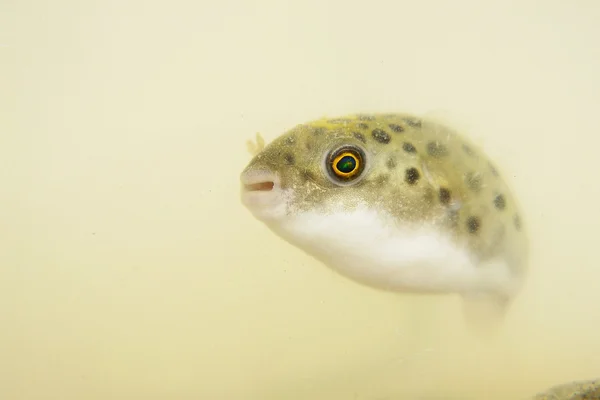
x,y
581,390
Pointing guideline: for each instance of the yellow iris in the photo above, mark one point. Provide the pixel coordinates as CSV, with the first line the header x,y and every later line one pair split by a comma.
x,y
346,165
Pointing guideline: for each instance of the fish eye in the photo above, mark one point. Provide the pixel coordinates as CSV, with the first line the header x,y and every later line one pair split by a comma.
x,y
345,164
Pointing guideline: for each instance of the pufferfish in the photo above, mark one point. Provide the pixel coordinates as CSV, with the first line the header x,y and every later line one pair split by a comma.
x,y
395,202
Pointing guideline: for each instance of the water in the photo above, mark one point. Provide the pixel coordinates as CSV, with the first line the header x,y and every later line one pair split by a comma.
x,y
131,271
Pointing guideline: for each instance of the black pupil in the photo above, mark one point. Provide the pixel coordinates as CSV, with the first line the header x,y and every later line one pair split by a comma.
x,y
346,164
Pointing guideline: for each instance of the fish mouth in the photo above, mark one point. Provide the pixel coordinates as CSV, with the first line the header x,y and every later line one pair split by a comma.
x,y
258,181
264,186
261,194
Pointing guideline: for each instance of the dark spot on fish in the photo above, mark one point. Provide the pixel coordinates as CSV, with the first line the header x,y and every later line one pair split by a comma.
x,y
308,145
500,202
360,136
415,123
381,136
517,222
391,163
362,125
289,158
444,195
473,224
411,175
437,149
473,181
408,147
319,131
396,128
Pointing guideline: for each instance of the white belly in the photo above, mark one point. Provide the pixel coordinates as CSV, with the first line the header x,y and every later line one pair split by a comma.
x,y
364,247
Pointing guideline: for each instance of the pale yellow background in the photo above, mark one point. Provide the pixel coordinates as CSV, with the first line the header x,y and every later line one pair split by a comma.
x,y
130,270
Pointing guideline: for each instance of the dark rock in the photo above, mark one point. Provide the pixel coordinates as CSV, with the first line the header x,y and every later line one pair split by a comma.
x,y
580,390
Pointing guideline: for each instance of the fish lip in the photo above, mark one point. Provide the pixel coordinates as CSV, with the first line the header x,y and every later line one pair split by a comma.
x,y
260,181
261,192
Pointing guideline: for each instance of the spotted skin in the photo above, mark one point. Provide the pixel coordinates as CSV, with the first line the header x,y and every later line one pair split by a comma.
x,y
416,157
418,171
